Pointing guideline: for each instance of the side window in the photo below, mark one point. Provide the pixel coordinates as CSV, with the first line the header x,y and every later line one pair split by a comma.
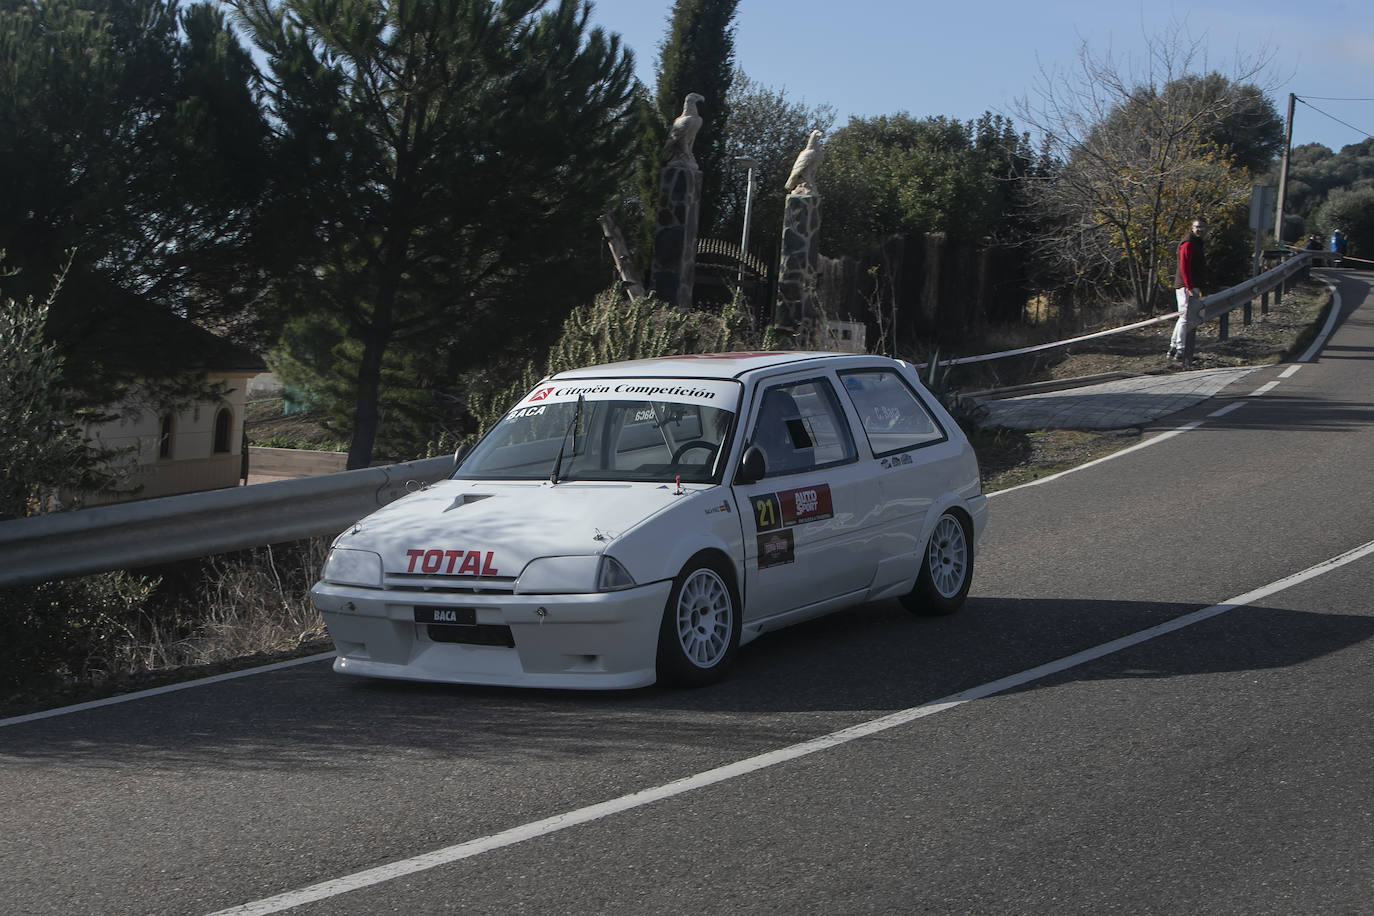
x,y
893,417
800,426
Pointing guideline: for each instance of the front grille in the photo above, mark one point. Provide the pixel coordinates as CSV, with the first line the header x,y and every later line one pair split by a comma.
x,y
479,634
450,585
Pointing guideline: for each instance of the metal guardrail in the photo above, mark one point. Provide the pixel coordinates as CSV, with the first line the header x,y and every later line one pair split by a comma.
x,y
130,535
1226,301
1214,306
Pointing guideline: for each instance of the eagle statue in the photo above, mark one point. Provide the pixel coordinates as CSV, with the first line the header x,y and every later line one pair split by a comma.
x,y
678,146
803,177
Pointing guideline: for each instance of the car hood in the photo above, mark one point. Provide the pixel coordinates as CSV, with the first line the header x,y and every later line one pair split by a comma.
x,y
481,528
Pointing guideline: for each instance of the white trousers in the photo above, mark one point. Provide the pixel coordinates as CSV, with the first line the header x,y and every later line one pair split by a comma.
x,y
1181,327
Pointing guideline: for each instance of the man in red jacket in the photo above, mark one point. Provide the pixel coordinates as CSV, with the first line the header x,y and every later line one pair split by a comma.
x,y
1192,267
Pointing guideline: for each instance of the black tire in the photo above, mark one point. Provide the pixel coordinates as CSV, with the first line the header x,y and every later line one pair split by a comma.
x,y
946,571
700,632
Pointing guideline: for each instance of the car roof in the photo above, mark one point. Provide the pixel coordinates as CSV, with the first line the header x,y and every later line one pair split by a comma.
x,y
712,365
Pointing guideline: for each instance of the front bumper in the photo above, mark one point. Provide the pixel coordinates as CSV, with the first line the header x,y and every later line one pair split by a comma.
x,y
601,641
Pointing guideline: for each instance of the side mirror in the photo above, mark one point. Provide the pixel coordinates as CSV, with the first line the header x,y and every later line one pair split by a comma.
x,y
459,454
752,466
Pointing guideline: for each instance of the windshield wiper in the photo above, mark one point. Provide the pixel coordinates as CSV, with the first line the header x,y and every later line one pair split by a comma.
x,y
572,427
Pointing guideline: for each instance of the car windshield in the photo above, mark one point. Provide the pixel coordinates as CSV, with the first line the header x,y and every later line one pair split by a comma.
x,y
651,430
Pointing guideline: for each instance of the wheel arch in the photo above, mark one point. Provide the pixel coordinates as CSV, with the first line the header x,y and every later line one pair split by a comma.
x,y
953,504
647,564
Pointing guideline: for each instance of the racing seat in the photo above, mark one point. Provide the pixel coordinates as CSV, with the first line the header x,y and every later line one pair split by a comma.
x,y
781,435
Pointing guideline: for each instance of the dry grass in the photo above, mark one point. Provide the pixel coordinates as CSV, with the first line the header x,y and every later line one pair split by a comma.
x,y
244,609
252,603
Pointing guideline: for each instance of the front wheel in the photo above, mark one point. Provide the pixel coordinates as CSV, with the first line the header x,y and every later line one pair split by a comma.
x,y
700,632
946,572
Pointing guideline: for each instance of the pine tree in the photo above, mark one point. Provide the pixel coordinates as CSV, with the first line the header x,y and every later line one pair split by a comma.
x,y
699,56
441,167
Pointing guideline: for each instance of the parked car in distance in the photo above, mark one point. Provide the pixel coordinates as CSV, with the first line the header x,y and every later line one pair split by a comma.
x,y
640,521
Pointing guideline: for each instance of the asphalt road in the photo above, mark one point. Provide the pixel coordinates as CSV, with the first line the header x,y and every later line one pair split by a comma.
x,y
1226,766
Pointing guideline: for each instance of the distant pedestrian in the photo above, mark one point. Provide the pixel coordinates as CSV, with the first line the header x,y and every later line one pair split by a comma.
x,y
1337,247
1192,269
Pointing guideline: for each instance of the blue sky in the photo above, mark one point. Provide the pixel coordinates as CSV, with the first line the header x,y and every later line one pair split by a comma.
x,y
873,57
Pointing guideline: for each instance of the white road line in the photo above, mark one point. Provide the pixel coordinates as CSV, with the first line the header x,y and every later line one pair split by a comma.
x,y
1155,440
558,822
1331,318
1223,411
155,691
1290,371
1267,386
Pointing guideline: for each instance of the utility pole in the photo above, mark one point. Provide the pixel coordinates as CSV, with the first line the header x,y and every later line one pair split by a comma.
x,y
1283,175
749,188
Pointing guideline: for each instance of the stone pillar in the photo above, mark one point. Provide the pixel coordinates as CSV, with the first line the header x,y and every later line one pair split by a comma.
x,y
797,311
675,239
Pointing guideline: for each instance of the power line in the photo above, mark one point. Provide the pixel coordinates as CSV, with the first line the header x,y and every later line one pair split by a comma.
x,y
1361,131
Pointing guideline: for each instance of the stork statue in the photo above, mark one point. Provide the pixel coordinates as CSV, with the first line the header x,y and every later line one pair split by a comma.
x,y
802,180
678,146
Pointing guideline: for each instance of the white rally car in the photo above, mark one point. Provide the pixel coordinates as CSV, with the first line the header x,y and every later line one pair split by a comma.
x,y
641,521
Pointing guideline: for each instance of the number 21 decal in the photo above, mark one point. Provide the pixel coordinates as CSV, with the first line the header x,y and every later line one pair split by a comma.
x,y
767,512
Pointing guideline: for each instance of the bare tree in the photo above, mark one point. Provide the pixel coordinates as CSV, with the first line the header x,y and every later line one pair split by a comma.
x,y
1138,153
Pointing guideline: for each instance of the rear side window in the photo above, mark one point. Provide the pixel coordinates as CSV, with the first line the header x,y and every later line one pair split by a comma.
x,y
893,416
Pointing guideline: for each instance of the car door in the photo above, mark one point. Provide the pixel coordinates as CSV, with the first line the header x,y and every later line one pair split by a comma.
x,y
911,449
807,522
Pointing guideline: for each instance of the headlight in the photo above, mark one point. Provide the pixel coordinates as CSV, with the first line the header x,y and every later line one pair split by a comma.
x,y
344,566
572,576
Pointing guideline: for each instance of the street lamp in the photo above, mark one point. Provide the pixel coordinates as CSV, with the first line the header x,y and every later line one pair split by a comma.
x,y
750,164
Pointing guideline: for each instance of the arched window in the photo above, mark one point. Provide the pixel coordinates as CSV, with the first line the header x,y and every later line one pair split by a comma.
x,y
164,438
224,419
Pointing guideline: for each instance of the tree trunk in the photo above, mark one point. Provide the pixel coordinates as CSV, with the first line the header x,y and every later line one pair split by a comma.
x,y
365,413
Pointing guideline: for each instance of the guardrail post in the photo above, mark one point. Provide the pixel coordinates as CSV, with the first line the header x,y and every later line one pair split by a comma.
x,y
1224,327
1245,312
1264,304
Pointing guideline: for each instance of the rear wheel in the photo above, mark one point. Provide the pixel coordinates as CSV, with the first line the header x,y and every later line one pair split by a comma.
x,y
947,570
699,636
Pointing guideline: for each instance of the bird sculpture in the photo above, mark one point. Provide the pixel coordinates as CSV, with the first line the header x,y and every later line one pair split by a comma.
x,y
803,177
678,146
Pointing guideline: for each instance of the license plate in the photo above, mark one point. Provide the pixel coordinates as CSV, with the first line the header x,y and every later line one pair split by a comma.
x,y
455,616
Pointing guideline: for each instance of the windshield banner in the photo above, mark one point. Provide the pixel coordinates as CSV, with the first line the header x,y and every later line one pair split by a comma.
x,y
707,392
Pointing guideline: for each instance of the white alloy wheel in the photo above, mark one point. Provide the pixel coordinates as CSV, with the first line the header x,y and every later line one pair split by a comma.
x,y
701,624
947,555
705,617
947,571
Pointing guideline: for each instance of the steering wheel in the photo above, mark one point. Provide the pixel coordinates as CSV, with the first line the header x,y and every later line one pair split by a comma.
x,y
686,447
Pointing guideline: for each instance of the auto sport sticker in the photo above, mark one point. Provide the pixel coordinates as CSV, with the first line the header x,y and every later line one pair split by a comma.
x,y
776,549
786,508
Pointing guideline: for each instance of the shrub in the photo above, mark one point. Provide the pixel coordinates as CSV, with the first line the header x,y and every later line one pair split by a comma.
x,y
612,330
66,629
